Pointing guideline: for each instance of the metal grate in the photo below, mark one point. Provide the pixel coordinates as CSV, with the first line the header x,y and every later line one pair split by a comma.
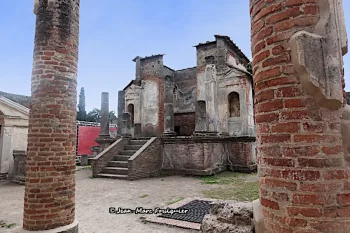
x,y
197,209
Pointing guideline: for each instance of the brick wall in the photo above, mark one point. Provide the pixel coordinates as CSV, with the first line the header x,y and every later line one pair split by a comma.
x,y
303,180
101,160
241,156
49,200
186,123
148,162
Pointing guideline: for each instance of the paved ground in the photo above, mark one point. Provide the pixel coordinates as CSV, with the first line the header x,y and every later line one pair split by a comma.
x,y
95,196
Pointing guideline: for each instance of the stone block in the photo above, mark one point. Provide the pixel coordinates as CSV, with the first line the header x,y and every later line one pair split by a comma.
x,y
235,217
84,160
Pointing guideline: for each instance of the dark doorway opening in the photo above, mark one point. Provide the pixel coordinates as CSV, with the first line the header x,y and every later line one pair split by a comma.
x,y
177,130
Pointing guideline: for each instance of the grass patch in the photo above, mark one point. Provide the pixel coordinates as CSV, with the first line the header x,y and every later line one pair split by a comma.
x,y
144,195
7,225
248,191
226,178
232,186
174,201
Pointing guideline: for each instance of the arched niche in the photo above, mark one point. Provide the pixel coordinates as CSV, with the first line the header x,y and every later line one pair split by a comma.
x,y
131,111
233,105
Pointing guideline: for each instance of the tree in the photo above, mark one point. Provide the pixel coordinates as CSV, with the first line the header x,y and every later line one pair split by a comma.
x,y
94,115
112,116
249,68
81,114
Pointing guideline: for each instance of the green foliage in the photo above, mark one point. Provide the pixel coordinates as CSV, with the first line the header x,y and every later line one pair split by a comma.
x,y
6,225
112,115
94,115
144,195
81,114
249,68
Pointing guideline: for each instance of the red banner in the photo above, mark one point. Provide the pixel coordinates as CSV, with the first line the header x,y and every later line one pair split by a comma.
x,y
86,138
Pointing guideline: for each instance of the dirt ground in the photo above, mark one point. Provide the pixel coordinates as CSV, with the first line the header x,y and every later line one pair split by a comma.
x,y
95,196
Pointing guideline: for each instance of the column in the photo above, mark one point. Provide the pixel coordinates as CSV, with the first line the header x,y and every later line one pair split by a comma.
x,y
104,139
297,49
169,107
104,122
121,109
126,125
49,201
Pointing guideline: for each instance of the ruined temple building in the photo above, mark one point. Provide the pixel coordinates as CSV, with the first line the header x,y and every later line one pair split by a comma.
x,y
215,96
201,119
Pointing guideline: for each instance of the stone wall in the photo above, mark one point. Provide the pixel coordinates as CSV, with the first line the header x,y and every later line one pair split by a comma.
x,y
216,80
185,123
146,162
233,217
13,133
19,171
207,155
102,159
152,71
185,79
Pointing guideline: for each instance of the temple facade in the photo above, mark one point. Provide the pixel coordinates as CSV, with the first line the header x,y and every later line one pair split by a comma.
x,y
215,97
194,121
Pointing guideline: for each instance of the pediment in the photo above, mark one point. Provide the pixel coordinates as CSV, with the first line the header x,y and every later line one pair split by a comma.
x,y
10,108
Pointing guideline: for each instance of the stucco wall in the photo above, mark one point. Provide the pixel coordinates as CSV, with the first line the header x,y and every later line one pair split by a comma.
x,y
150,106
215,81
13,135
133,96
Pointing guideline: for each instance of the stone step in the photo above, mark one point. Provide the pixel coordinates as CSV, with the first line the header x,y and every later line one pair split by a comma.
x,y
127,152
141,138
118,164
115,170
137,142
121,158
132,147
112,176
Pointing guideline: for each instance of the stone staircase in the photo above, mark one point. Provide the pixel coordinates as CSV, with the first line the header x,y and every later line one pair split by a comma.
x,y
118,167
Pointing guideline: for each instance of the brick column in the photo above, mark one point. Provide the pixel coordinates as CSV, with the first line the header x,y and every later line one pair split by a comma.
x,y
304,184
49,201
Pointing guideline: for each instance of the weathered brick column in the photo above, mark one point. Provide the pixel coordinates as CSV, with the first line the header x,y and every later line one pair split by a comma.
x,y
297,48
49,202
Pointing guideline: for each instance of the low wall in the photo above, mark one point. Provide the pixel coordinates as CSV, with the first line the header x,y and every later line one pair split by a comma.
x,y
207,155
146,161
102,159
19,170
